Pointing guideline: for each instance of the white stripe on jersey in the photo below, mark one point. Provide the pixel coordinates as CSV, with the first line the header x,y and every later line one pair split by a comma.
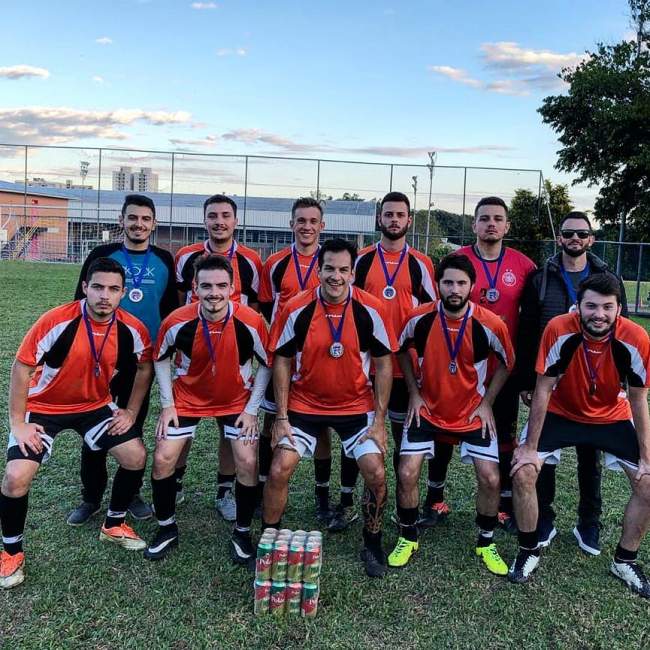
x,y
636,363
138,343
46,343
289,331
427,280
495,344
553,355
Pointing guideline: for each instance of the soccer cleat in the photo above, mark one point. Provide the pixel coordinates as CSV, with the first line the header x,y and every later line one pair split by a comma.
x,y
343,517
82,513
242,550
402,552
138,509
124,536
434,514
492,559
180,496
632,575
523,566
374,560
12,569
226,506
507,522
588,538
323,515
546,531
162,544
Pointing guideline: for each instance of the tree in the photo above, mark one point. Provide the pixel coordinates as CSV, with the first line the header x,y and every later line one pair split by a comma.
x,y
320,196
604,126
349,197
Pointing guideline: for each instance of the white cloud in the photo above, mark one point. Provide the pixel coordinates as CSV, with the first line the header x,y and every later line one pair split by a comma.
x,y
207,141
104,40
508,55
20,71
57,125
227,51
204,5
98,79
456,74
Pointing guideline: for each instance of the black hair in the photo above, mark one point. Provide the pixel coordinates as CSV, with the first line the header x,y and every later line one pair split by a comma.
x,y
105,265
212,262
138,199
575,214
396,197
491,200
337,246
306,202
606,284
220,198
455,261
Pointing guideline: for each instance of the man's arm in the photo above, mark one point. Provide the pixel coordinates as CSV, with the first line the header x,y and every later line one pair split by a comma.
x,y
27,435
168,414
639,403
281,382
383,384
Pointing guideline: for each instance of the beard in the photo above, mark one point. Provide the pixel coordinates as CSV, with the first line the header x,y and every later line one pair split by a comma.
x,y
452,306
596,333
574,252
393,236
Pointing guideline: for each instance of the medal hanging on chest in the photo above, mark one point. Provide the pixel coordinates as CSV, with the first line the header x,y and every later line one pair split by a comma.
x,y
454,349
389,292
492,294
207,338
592,368
336,349
302,282
97,356
136,294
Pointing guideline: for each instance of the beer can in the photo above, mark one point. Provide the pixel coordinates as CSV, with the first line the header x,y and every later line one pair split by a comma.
x,y
315,534
295,561
262,596
280,559
312,561
270,531
299,533
294,597
309,604
285,532
264,560
278,598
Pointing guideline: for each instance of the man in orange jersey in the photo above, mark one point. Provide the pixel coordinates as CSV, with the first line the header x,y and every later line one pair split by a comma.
x,y
61,380
402,278
501,273
593,374
214,343
284,275
454,340
323,343
220,220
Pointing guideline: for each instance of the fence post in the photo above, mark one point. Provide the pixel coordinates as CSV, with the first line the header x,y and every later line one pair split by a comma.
x,y
390,183
25,190
462,236
171,204
318,180
639,268
245,197
99,188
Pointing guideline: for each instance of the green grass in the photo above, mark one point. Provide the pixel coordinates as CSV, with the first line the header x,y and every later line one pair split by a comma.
x,y
644,295
80,593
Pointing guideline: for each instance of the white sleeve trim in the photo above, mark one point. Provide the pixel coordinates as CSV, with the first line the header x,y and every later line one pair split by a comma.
x,y
164,376
262,379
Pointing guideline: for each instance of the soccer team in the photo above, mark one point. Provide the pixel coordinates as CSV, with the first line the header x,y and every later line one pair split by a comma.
x,y
323,338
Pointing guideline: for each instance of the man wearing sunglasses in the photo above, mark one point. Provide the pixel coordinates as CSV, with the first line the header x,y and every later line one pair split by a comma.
x,y
550,291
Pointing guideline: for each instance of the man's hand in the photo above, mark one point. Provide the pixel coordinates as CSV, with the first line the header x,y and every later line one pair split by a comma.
x,y
123,420
167,416
377,432
27,435
248,425
484,412
526,397
416,403
644,469
524,455
281,429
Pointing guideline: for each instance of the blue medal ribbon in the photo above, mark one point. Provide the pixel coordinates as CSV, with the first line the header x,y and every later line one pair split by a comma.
x,y
453,350
336,331
573,296
137,279
492,280
390,278
208,340
91,339
303,282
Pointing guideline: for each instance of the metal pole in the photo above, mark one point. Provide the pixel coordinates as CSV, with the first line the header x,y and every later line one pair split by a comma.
x,y
414,185
171,204
245,198
619,253
390,183
639,268
99,188
539,196
462,236
25,190
318,180
432,162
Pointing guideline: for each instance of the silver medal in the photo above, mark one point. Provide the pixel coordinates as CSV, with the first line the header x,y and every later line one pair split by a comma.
x,y
389,292
136,295
492,295
336,350
453,368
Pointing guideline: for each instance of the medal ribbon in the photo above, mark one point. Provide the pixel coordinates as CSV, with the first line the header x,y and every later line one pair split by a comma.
x,y
229,254
492,280
137,279
390,278
453,350
206,334
336,331
573,296
91,339
592,368
303,282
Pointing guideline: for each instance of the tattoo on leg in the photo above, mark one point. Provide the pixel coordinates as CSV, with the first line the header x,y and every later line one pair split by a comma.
x,y
373,510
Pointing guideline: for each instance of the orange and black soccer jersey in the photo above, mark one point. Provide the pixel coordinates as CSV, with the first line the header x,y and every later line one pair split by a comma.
x,y
246,266
623,359
203,387
413,282
280,280
451,397
58,344
509,277
323,384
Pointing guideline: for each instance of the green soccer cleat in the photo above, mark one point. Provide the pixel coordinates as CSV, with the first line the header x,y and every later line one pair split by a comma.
x,y
402,553
492,559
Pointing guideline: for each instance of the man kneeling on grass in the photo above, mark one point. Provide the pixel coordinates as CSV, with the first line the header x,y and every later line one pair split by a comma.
x,y
593,373
61,380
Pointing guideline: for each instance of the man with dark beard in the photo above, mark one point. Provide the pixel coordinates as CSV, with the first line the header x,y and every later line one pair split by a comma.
x,y
593,373
549,292
451,402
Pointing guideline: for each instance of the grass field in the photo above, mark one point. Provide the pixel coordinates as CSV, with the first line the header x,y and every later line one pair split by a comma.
x,y
80,593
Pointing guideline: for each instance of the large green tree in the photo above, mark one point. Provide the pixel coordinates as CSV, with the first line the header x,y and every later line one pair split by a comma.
x,y
603,122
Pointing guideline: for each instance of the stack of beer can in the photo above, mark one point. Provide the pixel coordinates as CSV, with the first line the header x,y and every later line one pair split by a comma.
x,y
287,572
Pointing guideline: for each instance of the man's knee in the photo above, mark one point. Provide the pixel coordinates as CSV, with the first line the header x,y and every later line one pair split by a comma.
x,y
408,473
247,465
642,489
281,467
525,479
164,461
132,455
373,471
488,477
16,481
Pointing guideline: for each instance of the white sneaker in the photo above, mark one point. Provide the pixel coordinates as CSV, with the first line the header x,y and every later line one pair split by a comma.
x,y
226,506
632,575
523,566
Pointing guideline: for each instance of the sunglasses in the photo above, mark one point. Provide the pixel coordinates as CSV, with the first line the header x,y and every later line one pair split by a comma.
x,y
582,234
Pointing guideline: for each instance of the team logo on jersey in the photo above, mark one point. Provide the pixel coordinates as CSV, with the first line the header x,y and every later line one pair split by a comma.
x,y
509,278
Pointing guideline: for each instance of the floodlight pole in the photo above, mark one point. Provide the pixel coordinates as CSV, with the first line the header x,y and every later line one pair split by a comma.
x,y
414,185
83,172
431,166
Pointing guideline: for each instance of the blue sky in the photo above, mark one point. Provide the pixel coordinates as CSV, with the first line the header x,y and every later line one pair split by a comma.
x,y
372,81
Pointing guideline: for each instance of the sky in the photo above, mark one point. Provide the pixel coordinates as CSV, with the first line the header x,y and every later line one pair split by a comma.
x,y
379,82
